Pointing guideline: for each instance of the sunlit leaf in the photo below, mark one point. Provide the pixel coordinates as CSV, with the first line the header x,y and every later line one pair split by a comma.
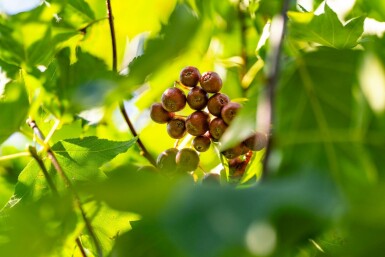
x,y
326,29
13,108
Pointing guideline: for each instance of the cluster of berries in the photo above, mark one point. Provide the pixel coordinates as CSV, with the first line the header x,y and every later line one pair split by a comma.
x,y
211,117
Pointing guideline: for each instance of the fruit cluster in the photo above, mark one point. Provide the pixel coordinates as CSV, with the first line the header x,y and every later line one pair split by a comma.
x,y
212,113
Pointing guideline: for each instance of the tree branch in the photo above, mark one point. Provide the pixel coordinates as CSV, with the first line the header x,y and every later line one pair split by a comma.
x,y
272,79
58,168
145,153
113,37
33,153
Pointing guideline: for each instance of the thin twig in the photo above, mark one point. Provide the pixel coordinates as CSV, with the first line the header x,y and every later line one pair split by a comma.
x,y
33,153
272,81
14,156
243,27
55,163
113,37
146,154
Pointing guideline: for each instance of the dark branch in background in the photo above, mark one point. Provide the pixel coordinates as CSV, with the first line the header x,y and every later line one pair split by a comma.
x,y
243,27
55,163
272,81
145,153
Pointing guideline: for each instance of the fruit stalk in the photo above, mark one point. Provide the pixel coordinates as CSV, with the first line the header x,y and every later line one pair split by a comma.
x,y
272,81
146,154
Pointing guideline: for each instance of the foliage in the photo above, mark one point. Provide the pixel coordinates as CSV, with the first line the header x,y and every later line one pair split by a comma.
x,y
323,192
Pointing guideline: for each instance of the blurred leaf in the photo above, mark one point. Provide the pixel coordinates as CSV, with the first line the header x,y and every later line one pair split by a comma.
x,y
322,125
183,23
11,50
373,8
40,227
108,225
85,84
225,217
13,108
326,29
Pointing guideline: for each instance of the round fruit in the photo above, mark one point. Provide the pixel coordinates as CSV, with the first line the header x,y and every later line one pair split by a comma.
x,y
187,159
173,99
166,161
217,127
256,142
197,98
159,114
176,128
190,76
201,143
197,123
229,111
211,179
211,82
216,103
233,152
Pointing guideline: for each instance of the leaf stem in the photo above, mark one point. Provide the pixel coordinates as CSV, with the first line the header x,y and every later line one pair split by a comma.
x,y
145,153
55,163
33,152
272,80
14,156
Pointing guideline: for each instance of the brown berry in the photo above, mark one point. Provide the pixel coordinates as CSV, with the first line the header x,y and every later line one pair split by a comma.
x,y
217,127
256,142
197,98
166,161
229,111
190,76
198,123
211,82
233,152
216,103
176,128
159,114
211,179
201,143
173,99
187,159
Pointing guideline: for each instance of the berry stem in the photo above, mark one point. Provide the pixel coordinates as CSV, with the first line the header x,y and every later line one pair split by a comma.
x,y
272,81
145,153
67,182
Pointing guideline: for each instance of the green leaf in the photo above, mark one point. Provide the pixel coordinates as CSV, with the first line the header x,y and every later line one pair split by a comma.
x,y
326,29
216,221
108,224
41,227
85,84
88,155
11,50
325,127
13,109
183,23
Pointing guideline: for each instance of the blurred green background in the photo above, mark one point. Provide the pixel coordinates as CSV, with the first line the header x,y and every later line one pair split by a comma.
x,y
323,195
